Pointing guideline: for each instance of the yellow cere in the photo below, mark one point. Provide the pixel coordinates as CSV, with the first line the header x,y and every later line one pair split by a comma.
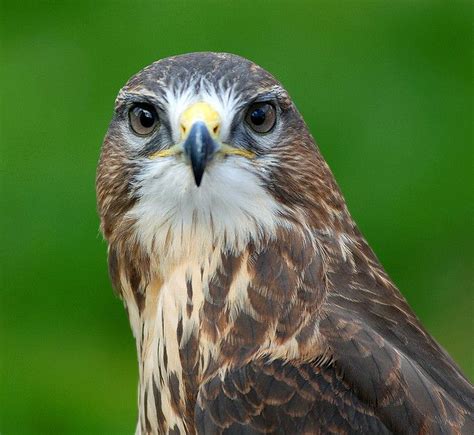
x,y
200,112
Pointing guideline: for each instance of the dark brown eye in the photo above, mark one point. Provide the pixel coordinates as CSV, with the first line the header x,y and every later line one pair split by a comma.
x,y
143,119
261,117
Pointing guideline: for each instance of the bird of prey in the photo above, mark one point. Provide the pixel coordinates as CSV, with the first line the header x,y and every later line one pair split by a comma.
x,y
256,304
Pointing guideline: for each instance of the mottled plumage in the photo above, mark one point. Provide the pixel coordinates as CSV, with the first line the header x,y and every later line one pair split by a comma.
x,y
257,305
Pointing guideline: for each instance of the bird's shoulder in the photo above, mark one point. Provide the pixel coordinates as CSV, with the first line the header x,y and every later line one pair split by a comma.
x,y
364,361
386,356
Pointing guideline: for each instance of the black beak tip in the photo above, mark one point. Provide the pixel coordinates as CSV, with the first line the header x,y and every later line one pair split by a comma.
x,y
198,177
199,148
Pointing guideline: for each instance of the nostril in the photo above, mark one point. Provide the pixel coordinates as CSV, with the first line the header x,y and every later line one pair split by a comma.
x,y
183,129
215,129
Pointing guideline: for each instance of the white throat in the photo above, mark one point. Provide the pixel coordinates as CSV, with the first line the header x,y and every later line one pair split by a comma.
x,y
175,219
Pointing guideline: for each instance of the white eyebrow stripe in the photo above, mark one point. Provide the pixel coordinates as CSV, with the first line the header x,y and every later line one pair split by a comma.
x,y
224,100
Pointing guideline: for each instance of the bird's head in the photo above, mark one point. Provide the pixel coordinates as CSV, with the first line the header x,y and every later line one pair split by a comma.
x,y
209,145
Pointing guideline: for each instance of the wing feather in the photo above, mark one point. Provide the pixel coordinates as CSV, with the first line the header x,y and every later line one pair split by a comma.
x,y
280,397
374,368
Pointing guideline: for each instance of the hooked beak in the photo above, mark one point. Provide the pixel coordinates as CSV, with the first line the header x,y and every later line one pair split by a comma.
x,y
200,127
199,147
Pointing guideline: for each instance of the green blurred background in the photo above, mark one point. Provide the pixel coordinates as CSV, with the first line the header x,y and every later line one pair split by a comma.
x,y
386,88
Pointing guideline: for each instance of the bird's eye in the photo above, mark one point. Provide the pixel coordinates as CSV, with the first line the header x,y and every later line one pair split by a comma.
x,y
261,117
143,119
